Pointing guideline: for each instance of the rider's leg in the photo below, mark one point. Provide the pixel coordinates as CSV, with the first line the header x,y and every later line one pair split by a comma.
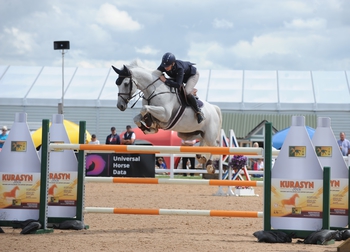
x,y
191,82
193,103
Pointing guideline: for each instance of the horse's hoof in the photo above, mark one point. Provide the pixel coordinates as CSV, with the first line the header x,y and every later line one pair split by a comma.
x,y
202,160
144,127
148,120
210,169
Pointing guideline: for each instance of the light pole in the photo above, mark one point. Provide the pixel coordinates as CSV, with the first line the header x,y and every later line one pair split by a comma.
x,y
61,45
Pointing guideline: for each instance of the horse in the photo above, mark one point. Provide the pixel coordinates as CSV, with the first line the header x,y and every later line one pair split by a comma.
x,y
163,106
290,201
10,194
51,190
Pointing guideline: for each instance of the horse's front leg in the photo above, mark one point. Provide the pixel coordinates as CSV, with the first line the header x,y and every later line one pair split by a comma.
x,y
156,111
150,130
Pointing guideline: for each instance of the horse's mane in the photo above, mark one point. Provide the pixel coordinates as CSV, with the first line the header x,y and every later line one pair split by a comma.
x,y
138,64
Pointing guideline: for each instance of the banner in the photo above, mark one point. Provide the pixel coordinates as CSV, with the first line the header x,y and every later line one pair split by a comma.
x,y
120,165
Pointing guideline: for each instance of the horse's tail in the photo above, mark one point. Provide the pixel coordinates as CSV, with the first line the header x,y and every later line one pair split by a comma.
x,y
218,111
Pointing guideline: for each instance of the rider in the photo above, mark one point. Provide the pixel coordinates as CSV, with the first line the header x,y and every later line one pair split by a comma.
x,y
181,72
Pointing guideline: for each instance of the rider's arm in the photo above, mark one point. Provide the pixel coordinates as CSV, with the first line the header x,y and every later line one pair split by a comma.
x,y
178,81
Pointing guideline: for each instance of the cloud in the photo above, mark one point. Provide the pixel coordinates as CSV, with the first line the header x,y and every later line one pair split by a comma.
x,y
314,23
110,16
297,6
280,43
57,9
146,50
294,34
22,42
206,53
222,24
277,50
260,46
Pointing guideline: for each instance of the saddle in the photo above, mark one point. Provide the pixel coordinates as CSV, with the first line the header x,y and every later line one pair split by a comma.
x,y
182,97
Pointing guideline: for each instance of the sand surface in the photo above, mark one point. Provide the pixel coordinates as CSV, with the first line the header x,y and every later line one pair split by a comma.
x,y
111,232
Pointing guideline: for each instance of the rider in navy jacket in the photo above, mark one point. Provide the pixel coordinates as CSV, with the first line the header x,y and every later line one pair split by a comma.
x,y
181,72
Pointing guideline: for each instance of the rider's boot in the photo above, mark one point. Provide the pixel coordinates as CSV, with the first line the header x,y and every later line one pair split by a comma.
x,y
193,103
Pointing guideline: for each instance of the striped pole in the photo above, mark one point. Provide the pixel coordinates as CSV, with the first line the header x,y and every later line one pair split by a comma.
x,y
211,182
144,149
212,213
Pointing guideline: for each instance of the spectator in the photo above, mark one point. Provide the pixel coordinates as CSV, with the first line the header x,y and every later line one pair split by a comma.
x,y
3,136
344,144
113,138
160,163
188,163
94,140
258,163
129,136
253,161
258,166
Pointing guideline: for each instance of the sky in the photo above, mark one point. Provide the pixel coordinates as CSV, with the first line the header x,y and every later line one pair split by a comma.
x,y
223,34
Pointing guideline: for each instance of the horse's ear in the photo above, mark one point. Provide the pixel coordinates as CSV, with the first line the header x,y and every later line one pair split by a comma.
x,y
126,70
116,70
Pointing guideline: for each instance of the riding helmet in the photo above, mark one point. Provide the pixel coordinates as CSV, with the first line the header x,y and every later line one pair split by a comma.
x,y
168,59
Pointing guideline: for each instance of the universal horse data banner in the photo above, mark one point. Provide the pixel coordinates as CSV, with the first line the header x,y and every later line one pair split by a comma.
x,y
120,165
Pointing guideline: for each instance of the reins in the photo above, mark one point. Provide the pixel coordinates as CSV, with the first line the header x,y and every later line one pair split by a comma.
x,y
130,97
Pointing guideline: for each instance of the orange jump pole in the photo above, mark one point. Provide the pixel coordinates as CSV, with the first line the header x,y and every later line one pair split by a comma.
x,y
211,182
142,149
212,213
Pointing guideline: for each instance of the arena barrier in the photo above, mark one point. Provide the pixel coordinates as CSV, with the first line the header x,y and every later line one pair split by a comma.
x,y
212,182
212,213
266,214
86,148
83,148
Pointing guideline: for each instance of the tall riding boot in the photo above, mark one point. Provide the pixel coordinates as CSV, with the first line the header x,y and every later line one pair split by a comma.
x,y
193,103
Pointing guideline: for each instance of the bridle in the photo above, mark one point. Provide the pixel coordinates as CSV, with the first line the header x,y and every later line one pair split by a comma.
x,y
140,93
131,81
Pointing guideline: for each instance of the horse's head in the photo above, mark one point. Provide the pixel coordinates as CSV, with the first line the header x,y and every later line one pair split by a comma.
x,y
126,87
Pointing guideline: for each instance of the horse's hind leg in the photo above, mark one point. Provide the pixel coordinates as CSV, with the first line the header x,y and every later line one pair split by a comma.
x,y
193,136
210,139
202,158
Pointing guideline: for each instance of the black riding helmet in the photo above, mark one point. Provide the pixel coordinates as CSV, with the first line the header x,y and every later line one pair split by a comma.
x,y
168,59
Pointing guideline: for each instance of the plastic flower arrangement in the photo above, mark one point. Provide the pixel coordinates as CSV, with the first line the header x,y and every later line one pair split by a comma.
x,y
238,162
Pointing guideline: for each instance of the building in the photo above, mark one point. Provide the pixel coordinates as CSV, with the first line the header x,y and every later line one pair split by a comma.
x,y
246,98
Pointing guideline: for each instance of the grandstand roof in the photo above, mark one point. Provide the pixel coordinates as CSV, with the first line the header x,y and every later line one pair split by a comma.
x,y
230,89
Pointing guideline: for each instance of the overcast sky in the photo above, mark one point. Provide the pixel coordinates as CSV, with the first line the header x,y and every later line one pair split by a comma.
x,y
221,34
